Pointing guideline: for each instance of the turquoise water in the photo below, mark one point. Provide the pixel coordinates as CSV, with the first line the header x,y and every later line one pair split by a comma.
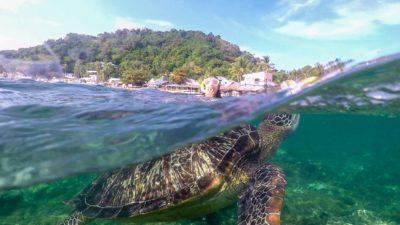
x,y
58,130
342,163
340,169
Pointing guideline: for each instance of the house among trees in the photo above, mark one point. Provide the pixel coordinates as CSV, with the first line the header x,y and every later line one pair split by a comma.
x,y
92,77
259,79
191,82
19,76
156,83
288,84
224,81
114,82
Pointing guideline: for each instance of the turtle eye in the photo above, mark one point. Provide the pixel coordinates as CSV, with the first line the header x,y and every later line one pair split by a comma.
x,y
283,119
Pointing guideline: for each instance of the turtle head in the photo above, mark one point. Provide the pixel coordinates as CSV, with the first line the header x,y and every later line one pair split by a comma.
x,y
274,128
284,121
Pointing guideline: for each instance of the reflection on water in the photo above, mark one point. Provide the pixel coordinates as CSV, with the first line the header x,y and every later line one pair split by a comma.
x,y
340,169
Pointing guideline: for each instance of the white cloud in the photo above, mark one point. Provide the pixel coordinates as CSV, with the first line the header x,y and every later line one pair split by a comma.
x,y
14,5
160,24
350,23
126,22
129,23
295,6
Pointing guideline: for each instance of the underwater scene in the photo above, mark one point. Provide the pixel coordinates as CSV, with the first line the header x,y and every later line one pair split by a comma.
x,y
340,169
342,166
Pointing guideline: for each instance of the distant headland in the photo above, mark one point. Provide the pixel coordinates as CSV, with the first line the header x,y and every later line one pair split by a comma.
x,y
170,59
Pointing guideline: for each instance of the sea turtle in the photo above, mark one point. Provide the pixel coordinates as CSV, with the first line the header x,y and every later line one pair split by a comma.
x,y
197,180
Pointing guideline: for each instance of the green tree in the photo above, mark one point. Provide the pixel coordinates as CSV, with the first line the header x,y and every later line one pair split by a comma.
x,y
185,54
79,70
239,67
108,70
67,64
280,76
179,75
134,76
319,70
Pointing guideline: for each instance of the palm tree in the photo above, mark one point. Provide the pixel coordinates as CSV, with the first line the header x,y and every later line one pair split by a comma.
x,y
240,67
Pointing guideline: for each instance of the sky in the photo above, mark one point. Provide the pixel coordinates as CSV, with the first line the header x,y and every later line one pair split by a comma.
x,y
293,33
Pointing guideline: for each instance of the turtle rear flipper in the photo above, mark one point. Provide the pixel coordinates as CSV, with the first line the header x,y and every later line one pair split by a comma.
x,y
75,218
261,200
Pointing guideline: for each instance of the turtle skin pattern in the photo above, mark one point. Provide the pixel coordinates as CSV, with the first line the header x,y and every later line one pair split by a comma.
x,y
261,200
167,181
74,219
232,162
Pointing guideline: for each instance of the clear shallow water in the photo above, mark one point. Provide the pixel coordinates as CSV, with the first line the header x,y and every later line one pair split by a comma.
x,y
341,168
54,130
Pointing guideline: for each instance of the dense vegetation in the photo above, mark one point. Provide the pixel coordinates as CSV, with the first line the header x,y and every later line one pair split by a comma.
x,y
141,54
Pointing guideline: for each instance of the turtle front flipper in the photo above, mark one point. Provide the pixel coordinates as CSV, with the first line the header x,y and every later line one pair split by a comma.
x,y
261,200
75,218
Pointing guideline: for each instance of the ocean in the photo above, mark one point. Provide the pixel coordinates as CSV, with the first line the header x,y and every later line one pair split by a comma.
x,y
342,163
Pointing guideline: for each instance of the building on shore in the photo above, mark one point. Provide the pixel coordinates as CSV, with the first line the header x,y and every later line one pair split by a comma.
x,y
157,83
288,84
191,82
189,86
55,79
259,79
18,76
69,75
70,78
114,82
224,82
92,78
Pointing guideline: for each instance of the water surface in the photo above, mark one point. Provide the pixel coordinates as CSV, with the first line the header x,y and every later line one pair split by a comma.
x,y
341,164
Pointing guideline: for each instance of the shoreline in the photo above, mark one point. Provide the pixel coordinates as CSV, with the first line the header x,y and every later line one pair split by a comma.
x,y
170,88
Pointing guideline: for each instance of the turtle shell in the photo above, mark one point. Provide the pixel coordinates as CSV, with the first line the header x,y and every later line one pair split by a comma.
x,y
166,181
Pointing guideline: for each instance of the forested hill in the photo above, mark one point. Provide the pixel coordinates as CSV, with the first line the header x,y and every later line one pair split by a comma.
x,y
140,54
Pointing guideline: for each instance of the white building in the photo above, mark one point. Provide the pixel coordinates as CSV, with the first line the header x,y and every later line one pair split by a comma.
x,y
69,75
262,78
55,80
91,79
288,84
19,76
94,78
191,82
114,82
158,82
91,72
225,82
